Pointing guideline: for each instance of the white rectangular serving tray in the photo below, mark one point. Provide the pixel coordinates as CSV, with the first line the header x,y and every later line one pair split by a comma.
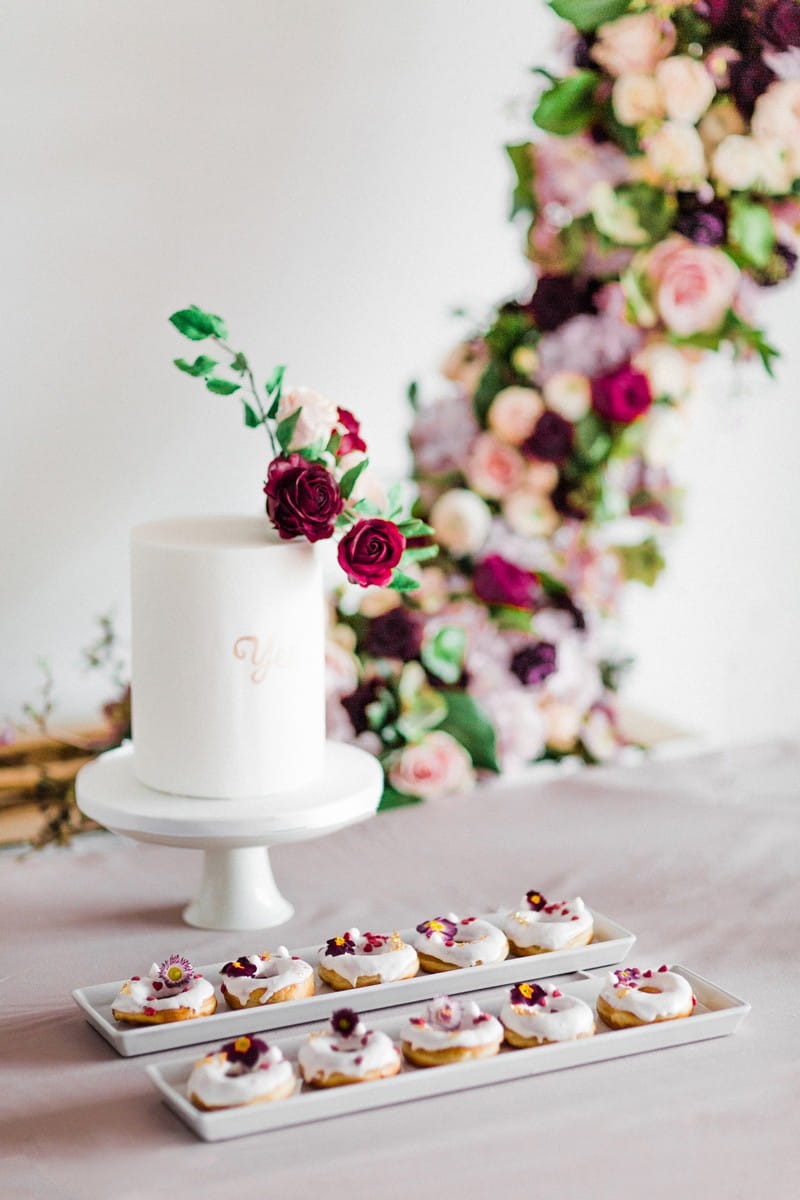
x,y
610,945
717,1013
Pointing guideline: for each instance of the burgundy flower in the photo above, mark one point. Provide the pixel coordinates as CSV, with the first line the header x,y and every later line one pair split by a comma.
x,y
303,498
749,79
370,550
245,1051
345,1021
551,440
534,663
395,634
780,267
239,967
498,581
779,24
705,224
563,602
722,14
558,298
448,929
357,703
343,944
528,994
621,395
536,900
351,439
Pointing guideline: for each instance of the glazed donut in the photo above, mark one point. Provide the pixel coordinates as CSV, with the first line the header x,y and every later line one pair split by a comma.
x,y
246,1071
361,959
171,992
345,1051
634,997
538,926
449,1031
535,1014
256,979
448,943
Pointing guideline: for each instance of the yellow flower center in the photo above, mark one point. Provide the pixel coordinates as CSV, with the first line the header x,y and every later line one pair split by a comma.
x,y
175,973
242,1045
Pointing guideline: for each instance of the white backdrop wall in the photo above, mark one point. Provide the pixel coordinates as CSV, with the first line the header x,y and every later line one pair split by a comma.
x,y
328,176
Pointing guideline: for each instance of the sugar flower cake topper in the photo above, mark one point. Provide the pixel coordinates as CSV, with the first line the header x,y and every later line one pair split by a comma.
x,y
317,481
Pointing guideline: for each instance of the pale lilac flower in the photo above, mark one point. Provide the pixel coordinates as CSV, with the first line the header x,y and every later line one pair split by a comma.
x,y
442,434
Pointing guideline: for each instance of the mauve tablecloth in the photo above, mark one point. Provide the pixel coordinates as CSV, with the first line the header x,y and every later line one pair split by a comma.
x,y
700,857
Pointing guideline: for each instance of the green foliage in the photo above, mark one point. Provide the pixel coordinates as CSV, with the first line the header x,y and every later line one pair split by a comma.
x,y
586,15
522,199
643,563
593,441
403,583
350,478
569,105
691,28
222,387
202,365
491,382
284,430
412,395
751,231
421,706
443,654
414,527
274,386
197,325
512,328
468,724
393,799
251,418
239,363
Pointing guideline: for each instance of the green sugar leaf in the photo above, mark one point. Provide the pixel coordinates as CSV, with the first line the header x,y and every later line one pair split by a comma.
x,y
522,199
414,527
403,583
239,364
251,418
419,553
586,15
196,324
393,799
202,365
568,106
222,387
350,478
284,430
751,231
366,508
412,393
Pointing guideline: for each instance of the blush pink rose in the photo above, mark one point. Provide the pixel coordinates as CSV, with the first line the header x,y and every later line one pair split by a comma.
x,y
436,766
693,286
493,469
633,44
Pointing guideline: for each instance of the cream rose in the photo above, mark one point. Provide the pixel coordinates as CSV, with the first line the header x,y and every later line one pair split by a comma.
x,y
461,521
634,44
686,87
569,394
663,435
466,363
318,416
541,477
341,670
514,412
722,119
636,98
674,154
493,469
562,725
737,162
668,369
694,286
436,766
777,118
529,513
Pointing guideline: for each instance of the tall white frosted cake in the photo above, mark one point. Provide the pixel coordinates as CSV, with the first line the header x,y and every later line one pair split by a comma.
x,y
228,658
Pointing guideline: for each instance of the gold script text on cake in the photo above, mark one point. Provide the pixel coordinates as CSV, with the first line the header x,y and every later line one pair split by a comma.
x,y
261,654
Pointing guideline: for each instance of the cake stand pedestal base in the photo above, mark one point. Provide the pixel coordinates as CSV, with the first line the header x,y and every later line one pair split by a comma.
x,y
237,890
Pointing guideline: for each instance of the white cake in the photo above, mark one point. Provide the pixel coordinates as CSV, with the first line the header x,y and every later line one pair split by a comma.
x,y
228,658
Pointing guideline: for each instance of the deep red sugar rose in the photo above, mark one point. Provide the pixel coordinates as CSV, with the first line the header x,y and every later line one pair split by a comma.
x,y
621,395
303,498
370,550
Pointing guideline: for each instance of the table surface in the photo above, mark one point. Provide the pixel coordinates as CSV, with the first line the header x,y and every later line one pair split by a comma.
x,y
699,856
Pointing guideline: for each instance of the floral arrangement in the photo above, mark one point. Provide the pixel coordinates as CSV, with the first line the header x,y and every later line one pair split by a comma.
x,y
662,196
317,484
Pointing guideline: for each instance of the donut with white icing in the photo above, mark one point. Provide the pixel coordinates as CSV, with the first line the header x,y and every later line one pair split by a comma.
x,y
245,1071
450,1030
255,979
536,1014
355,959
172,991
449,943
345,1051
539,926
633,997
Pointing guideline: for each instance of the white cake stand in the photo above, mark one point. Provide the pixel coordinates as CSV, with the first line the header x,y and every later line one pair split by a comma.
x,y
237,890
